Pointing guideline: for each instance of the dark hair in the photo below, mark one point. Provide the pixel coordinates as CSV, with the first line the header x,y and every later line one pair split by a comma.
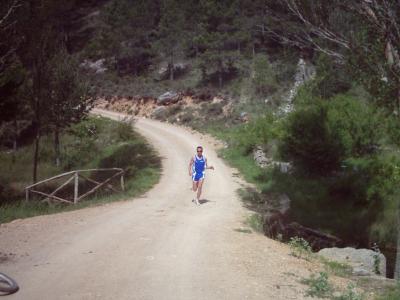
x,y
199,147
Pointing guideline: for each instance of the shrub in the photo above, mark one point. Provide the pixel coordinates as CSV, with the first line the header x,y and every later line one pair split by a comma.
x,y
320,135
331,78
308,140
300,248
260,131
319,286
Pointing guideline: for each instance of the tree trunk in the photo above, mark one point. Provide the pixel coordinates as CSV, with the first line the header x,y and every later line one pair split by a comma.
x,y
254,50
15,138
398,104
36,156
397,264
220,79
57,146
171,68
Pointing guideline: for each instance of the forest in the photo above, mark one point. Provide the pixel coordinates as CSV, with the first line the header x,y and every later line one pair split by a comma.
x,y
342,136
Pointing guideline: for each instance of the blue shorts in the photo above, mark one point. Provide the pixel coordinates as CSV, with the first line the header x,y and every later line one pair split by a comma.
x,y
198,176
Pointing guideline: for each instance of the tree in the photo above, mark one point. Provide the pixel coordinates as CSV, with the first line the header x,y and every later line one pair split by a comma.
x,y
8,41
362,35
264,79
171,31
69,101
217,55
126,36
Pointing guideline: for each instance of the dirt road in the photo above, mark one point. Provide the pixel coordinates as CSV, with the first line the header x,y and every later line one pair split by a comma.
x,y
158,246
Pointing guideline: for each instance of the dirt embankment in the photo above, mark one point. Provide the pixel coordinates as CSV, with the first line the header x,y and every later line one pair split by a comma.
x,y
177,107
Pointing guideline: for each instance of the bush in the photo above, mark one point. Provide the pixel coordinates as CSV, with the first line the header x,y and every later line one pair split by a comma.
x,y
308,140
300,248
319,286
128,156
320,135
258,132
331,79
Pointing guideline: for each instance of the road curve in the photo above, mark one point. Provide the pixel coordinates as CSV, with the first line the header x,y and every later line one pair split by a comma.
x,y
158,246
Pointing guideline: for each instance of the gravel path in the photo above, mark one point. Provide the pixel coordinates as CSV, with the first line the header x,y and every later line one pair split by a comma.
x,y
158,246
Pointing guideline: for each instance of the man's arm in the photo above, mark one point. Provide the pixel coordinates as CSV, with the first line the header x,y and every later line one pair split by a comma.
x,y
190,167
209,167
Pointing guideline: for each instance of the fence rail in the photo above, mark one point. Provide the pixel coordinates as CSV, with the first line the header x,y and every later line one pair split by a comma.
x,y
75,176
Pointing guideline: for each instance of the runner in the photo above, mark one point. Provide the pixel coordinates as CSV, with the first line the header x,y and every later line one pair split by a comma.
x,y
197,168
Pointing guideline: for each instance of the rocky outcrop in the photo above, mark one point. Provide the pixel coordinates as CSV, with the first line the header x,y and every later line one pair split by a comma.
x,y
180,68
263,161
159,113
277,225
97,66
304,73
168,98
365,262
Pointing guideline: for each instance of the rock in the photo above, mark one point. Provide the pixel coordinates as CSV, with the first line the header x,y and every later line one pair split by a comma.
x,y
96,66
159,113
168,98
363,261
260,157
284,167
277,224
317,239
163,72
357,271
244,117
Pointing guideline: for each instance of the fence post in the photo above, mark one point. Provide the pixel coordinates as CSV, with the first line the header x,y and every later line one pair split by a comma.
x,y
76,184
122,182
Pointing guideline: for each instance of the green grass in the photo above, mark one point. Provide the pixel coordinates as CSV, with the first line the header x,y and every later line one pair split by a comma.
x,y
336,268
392,293
96,142
255,222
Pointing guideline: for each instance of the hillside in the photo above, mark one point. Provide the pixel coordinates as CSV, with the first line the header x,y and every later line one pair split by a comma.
x,y
303,95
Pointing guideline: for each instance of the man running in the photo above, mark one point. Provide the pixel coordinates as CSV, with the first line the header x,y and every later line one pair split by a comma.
x,y
197,168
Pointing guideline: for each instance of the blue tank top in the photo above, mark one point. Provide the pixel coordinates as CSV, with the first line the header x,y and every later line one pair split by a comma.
x,y
199,164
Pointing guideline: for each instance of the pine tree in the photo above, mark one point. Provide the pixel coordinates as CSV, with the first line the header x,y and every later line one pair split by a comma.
x,y
171,32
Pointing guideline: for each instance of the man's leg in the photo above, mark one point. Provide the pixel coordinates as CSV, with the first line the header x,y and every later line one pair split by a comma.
x,y
195,183
199,189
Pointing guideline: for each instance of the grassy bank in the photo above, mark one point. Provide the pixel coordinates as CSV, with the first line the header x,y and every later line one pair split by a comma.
x,y
94,143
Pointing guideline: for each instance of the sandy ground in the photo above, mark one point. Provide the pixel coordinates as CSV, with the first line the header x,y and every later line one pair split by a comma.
x,y
158,246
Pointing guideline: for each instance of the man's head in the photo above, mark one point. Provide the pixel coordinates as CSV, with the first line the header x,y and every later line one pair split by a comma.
x,y
199,150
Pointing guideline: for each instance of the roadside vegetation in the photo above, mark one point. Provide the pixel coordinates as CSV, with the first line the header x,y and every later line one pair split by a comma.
x,y
96,142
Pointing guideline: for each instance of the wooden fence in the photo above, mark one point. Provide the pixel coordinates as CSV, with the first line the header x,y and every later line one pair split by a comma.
x,y
75,176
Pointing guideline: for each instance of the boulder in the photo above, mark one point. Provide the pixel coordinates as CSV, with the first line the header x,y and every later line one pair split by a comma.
x,y
168,98
276,224
363,261
164,70
97,66
244,117
260,157
159,113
